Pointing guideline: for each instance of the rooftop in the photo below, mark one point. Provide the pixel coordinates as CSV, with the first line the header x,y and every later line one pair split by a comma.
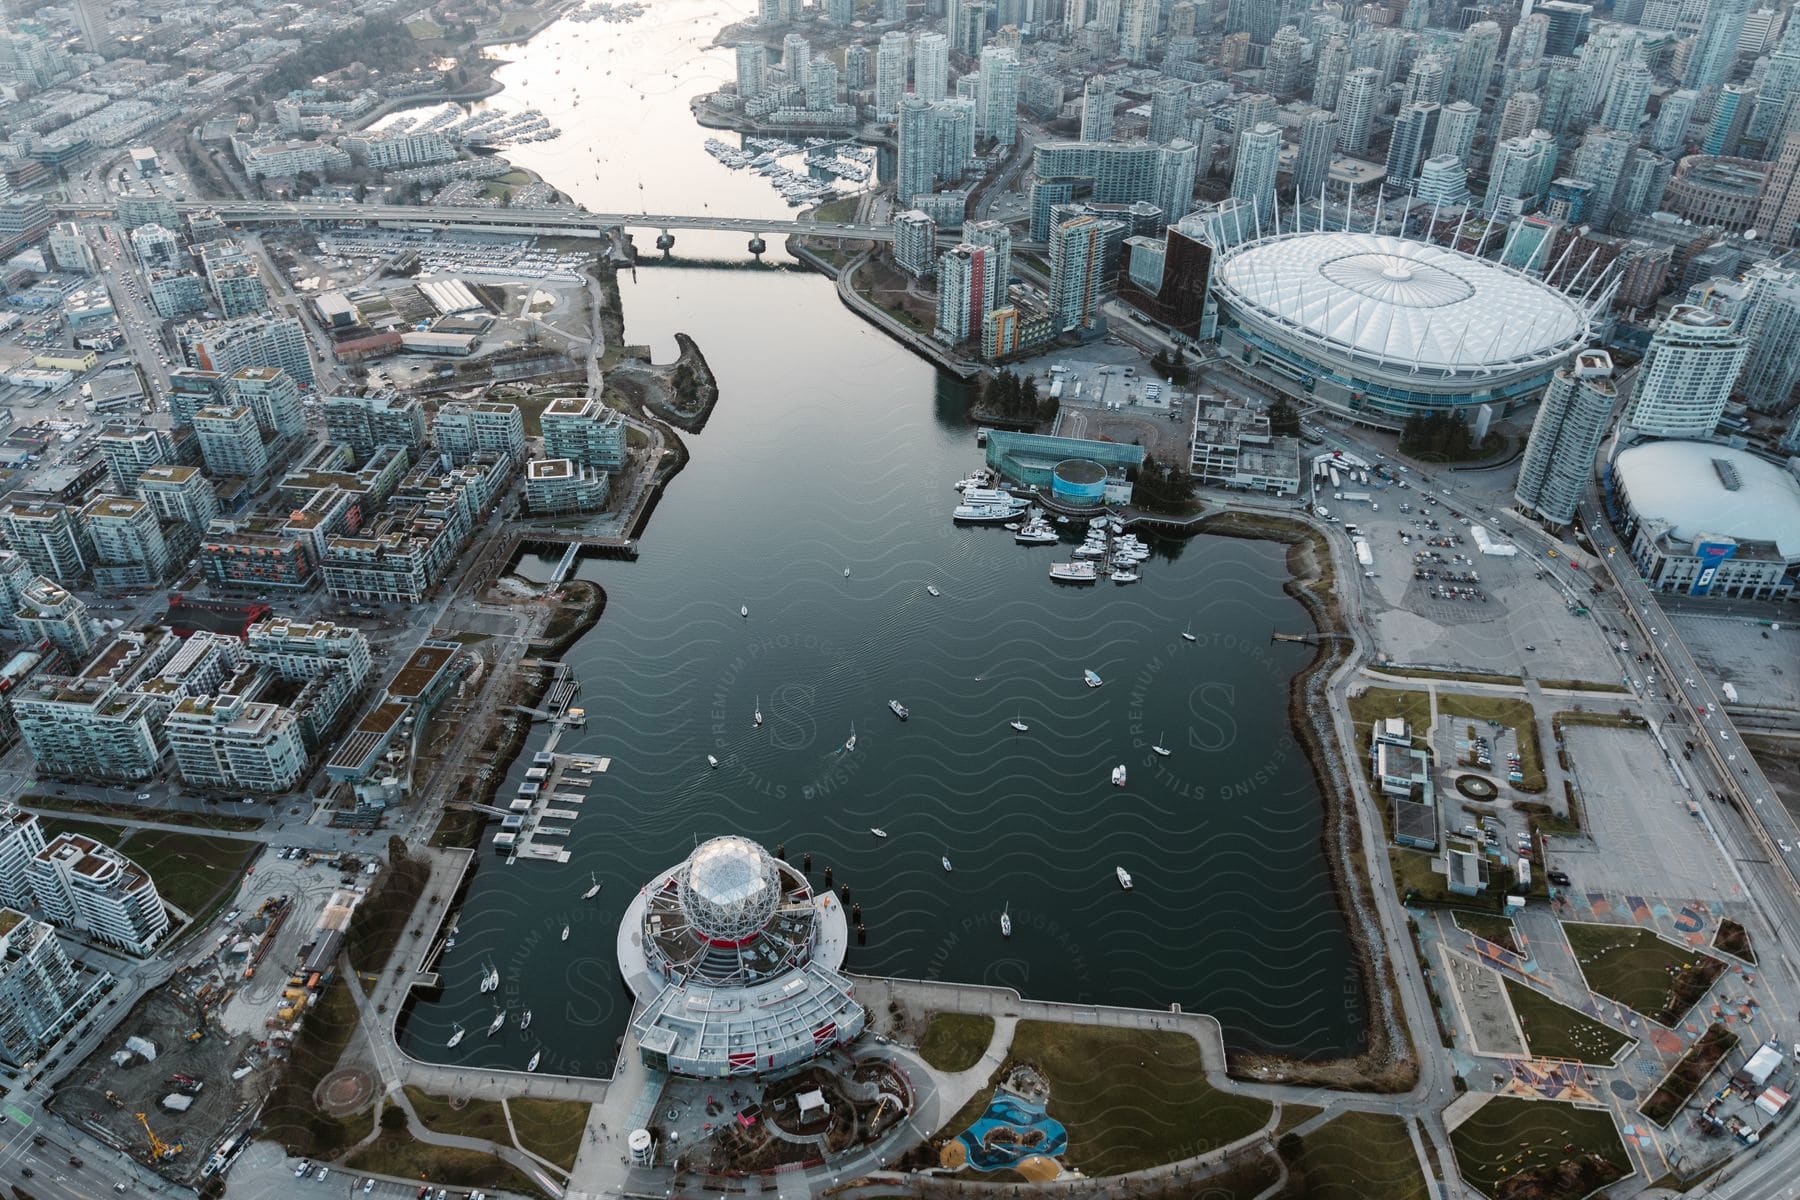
x,y
1702,490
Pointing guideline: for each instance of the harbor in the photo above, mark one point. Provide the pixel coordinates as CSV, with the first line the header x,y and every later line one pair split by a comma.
x,y
539,819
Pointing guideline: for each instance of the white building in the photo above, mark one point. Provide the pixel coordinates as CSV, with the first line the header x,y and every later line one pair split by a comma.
x,y
41,995
1686,375
229,743
1565,437
915,243
83,885
561,485
462,430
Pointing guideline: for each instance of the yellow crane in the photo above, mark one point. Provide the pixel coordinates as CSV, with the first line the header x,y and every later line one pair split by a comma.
x,y
158,1148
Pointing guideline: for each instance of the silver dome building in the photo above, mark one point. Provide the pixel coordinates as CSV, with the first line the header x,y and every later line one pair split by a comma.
x,y
1379,328
736,965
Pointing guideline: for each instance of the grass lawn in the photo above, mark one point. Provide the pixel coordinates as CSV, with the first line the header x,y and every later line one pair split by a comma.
x,y
459,827
1295,1114
1357,1155
1414,876
1122,1118
956,1041
476,1118
395,1153
111,835
1554,1030
1686,1076
291,1118
190,869
551,1128
1377,702
1456,676
1641,971
133,812
1507,1136
1582,685
1492,926
1518,715
837,211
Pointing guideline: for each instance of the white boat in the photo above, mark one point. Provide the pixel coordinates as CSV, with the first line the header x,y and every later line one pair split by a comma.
x,y
1018,723
1118,775
932,591
536,1058
455,1038
989,513
850,742
565,936
1091,679
1158,748
499,1020
1125,576
846,572
593,889
1091,550
1187,635
756,717
1074,572
1036,535
1006,921
1124,877
711,761
900,710
493,977
877,831
743,610
525,1021
946,861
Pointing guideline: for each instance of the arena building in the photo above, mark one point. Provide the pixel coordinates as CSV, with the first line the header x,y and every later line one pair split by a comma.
x,y
1703,519
1379,328
735,965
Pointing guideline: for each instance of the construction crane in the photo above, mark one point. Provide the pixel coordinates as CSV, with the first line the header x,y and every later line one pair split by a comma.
x,y
159,1149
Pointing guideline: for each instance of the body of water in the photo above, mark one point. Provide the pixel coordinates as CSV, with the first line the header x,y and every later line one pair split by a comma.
x,y
833,449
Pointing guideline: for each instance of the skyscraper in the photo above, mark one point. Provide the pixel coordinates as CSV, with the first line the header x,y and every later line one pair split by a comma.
x,y
1565,438
997,108
1177,164
1600,159
890,74
1779,82
1137,29
752,69
1427,82
1731,113
796,59
1356,110
1443,180
1669,134
1097,109
90,18
931,66
1075,255
1626,95
1779,208
1520,173
1475,56
936,143
959,300
1284,64
915,243
1686,375
1523,113
1410,144
1770,321
994,237
1312,163
1253,175
1168,110
1330,65
1456,129
1709,63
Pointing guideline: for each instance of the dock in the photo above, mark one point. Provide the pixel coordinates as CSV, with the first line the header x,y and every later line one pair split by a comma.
x,y
555,784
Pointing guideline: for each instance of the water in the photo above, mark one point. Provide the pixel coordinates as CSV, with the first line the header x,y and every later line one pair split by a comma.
x,y
832,448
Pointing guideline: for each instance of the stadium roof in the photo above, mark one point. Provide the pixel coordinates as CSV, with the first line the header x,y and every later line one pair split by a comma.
x,y
1702,488
1403,303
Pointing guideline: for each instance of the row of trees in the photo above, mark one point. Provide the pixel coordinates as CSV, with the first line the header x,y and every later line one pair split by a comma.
x,y
1165,489
1011,398
1173,367
1440,435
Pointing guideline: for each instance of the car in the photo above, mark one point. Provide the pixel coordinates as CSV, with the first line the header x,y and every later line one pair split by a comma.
x,y
1785,848
27,1172
323,1172
143,795
1559,878
368,1185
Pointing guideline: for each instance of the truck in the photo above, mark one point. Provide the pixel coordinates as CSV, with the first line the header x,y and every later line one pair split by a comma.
x,y
1524,873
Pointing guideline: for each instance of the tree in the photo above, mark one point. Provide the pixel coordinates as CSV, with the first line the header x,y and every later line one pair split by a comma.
x,y
1284,418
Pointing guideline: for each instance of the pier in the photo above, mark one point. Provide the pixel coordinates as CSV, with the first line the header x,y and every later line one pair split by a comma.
x,y
555,784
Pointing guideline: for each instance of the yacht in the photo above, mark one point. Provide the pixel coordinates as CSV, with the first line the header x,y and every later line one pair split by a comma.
x,y
1124,877
525,1021
988,495
900,710
1091,679
1118,775
1091,550
1074,572
455,1038
1018,724
932,591
1036,535
1159,749
1119,576
499,1020
1187,635
565,936
946,861
756,717
536,1058
593,887
986,513
877,831
711,761
1006,921
850,742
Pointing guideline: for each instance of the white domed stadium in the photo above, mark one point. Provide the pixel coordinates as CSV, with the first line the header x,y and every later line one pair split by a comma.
x,y
1381,327
735,965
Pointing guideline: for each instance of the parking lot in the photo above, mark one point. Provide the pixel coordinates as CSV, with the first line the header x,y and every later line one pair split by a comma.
x,y
1642,838
1762,664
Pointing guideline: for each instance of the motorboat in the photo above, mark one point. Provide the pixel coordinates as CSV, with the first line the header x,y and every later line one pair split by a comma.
x,y
1091,679
1118,775
1037,534
499,1020
946,861
565,935
711,761
1091,550
594,887
1018,724
1074,572
850,742
756,717
455,1038
932,591
1014,527
846,572
1124,877
1158,748
538,1057
525,1021
1125,576
993,513
900,710
743,610
493,978
878,831
1187,635
1006,921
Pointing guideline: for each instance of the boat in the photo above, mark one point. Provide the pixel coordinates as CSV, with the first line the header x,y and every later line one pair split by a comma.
x,y
450,943
1074,572
1125,576
1158,748
493,977
1018,723
1091,550
1124,877
994,513
850,742
565,936
900,710
1006,921
525,1021
946,861
593,889
756,717
711,761
932,591
743,610
1118,775
1014,527
499,1020
1187,635
846,572
536,1058
455,1038
878,831
1091,679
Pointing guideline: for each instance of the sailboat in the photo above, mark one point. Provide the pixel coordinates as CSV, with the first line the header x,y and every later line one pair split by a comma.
x,y
743,610
565,936
525,1021
846,572
1018,723
756,716
499,1020
594,889
946,861
490,978
850,742
455,1038
1006,921
1187,635
1158,748
535,1058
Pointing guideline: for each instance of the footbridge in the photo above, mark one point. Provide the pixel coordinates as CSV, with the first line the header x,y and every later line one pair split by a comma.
x,y
545,221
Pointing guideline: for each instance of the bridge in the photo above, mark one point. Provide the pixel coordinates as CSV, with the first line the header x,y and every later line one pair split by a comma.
x,y
552,222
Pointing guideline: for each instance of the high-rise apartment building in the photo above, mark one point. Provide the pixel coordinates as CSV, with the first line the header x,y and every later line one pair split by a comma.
x,y
41,995
1522,113
1409,146
585,431
937,144
915,243
1668,135
230,441
1458,122
463,430
129,550
1686,375
1732,107
1097,103
1284,63
379,418
228,742
129,451
1520,174
49,612
88,886
1475,57
47,535
890,74
997,102
1565,437
1600,160
1330,65
1312,160
931,66
752,69
1709,62
961,300
272,395
21,837
1137,27
179,493
1627,94
1168,110
1253,175
1356,110
1075,277
226,346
